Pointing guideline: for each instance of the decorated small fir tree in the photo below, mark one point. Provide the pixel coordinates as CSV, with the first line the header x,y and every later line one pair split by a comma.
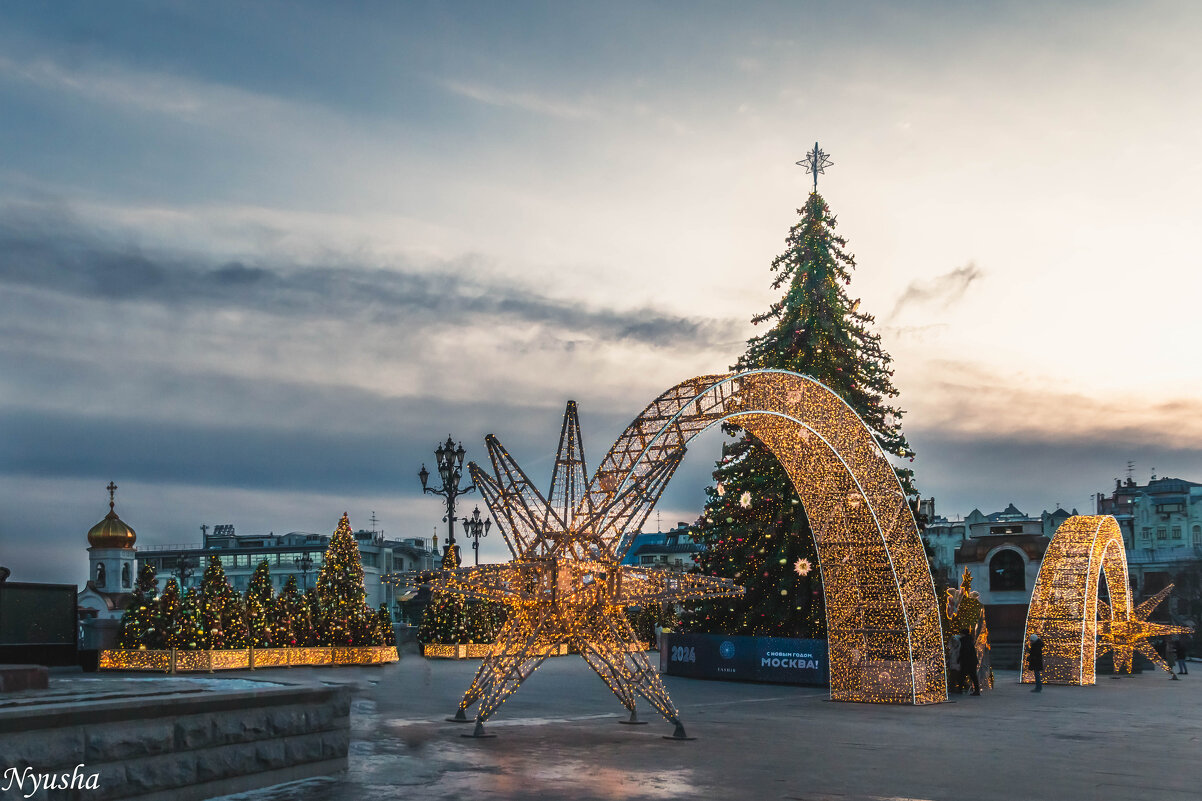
x,y
754,528
305,619
167,617
190,630
386,633
234,632
260,611
285,608
340,588
139,623
444,620
214,591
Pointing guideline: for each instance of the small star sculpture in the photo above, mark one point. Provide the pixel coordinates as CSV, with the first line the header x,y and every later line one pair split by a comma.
x,y
802,567
1128,637
815,162
566,584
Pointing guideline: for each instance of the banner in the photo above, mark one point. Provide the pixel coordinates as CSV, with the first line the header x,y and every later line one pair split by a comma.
x,y
782,660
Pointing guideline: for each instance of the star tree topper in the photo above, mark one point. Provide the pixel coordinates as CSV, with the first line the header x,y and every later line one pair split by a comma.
x,y
566,584
815,162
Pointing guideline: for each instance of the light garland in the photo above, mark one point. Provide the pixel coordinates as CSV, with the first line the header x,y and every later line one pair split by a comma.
x,y
1068,616
182,661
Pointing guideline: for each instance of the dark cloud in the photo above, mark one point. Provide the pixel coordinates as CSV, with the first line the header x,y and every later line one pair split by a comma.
x,y
1035,471
942,290
380,454
58,257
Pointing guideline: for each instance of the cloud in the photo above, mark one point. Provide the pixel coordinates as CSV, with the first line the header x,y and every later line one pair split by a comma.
x,y
965,400
941,291
56,257
987,470
154,92
526,101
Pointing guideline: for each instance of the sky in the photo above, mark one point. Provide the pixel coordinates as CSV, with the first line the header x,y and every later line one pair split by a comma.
x,y
258,259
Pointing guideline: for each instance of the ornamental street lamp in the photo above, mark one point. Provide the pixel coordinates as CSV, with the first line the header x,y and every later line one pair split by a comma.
x,y
184,567
475,528
450,469
304,564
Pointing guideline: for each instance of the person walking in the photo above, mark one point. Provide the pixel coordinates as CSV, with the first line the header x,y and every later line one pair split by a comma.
x,y
968,660
1035,661
1170,658
1181,655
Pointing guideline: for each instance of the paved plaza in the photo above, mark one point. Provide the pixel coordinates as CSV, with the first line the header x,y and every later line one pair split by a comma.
x,y
559,737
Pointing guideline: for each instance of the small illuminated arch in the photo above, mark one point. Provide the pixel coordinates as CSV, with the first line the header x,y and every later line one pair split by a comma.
x,y
886,644
1064,603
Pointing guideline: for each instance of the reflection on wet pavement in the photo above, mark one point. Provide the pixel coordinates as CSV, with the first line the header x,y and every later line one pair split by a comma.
x,y
419,758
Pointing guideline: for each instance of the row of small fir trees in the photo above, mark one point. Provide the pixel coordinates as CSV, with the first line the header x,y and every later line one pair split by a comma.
x,y
216,616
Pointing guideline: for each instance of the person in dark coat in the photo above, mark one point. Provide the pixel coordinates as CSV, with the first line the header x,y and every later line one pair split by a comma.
x,y
953,665
1181,658
968,660
1035,661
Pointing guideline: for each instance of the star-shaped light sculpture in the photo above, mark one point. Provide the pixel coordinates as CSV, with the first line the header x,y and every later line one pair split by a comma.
x,y
565,584
802,567
1128,637
815,162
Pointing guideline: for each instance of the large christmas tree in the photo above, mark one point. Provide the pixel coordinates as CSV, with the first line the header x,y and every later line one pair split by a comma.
x,y
340,589
754,528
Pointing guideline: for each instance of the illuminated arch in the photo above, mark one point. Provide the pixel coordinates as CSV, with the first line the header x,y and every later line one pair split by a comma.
x,y
1064,603
883,625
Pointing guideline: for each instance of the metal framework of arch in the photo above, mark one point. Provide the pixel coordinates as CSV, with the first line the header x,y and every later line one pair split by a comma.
x,y
1064,604
886,643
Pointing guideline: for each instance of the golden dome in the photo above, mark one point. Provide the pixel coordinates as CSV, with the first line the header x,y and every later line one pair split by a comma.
x,y
111,532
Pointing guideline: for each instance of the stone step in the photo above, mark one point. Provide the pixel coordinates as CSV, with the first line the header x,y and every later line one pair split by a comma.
x,y
14,678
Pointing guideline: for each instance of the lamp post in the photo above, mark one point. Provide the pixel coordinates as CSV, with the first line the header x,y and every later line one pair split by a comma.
x,y
184,566
450,468
475,528
304,564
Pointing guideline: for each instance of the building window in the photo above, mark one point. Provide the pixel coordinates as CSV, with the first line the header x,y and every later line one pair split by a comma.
x,y
125,575
1007,572
1198,536
100,574
1176,532
1162,533
1147,533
